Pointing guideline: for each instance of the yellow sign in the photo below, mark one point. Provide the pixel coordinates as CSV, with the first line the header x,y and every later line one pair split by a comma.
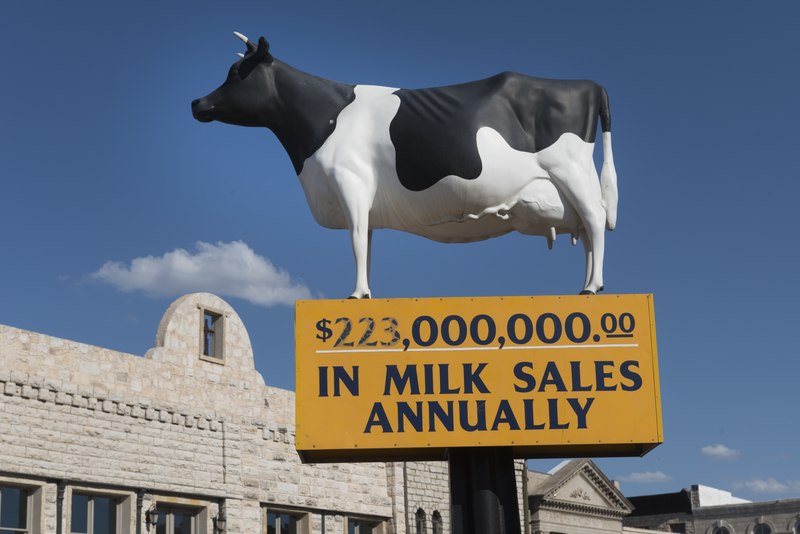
x,y
402,379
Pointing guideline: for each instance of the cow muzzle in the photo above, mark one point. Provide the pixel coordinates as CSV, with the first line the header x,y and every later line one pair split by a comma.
x,y
202,110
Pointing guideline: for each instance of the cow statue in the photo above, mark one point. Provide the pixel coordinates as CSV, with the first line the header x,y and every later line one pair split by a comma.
x,y
453,164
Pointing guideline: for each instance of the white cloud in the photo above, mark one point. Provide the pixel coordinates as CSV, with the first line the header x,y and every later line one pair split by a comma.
x,y
646,477
760,485
720,451
227,269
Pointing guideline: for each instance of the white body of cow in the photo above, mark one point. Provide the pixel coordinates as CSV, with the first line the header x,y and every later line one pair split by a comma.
x,y
351,182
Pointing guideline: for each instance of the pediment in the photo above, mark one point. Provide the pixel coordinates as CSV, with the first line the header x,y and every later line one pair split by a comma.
x,y
579,485
582,490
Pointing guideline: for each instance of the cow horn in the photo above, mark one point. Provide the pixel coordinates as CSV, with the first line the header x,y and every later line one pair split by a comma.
x,y
250,46
240,55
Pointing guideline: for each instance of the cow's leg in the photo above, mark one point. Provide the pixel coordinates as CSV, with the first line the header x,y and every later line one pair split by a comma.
x,y
588,252
356,209
360,236
369,254
576,184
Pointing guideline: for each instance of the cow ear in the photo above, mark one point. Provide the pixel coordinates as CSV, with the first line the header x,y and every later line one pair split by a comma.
x,y
249,62
262,52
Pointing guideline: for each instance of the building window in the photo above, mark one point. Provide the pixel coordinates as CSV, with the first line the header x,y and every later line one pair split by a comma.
x,y
13,510
177,521
762,528
359,526
212,335
419,522
93,514
436,522
721,530
282,522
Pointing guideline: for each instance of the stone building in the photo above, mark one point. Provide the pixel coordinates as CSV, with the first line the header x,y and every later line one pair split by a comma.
x,y
575,498
187,439
704,510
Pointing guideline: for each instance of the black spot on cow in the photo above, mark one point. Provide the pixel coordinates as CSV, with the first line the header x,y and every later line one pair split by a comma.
x,y
308,116
434,129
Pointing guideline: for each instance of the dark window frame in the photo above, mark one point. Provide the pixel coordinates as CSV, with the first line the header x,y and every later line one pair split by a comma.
x,y
437,525
301,517
24,501
420,522
212,324
116,502
361,525
167,510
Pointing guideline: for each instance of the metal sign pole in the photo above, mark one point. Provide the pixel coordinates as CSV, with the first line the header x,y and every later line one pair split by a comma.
x,y
483,491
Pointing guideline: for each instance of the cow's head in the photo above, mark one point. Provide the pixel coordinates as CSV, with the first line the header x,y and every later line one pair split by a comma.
x,y
244,98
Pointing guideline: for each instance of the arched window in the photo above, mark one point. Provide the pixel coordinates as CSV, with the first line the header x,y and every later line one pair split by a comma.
x,y
797,526
419,522
436,522
762,528
721,527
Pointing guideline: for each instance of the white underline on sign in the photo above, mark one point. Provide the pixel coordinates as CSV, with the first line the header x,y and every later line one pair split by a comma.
x,y
454,349
341,351
608,346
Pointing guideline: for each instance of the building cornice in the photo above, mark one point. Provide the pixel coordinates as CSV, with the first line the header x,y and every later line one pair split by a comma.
x,y
586,509
33,389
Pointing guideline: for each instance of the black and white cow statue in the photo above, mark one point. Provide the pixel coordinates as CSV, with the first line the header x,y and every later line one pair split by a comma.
x,y
453,164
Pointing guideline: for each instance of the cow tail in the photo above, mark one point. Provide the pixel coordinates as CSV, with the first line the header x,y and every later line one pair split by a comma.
x,y
608,174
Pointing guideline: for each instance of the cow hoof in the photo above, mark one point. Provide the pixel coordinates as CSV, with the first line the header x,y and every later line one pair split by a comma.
x,y
363,296
586,292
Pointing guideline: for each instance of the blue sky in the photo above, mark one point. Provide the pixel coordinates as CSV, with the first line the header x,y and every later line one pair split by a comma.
x,y
101,162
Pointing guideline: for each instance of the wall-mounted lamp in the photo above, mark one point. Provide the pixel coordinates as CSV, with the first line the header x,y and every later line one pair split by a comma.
x,y
219,523
150,517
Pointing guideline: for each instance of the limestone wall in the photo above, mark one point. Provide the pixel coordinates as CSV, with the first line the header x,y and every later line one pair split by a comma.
x,y
184,429
177,428
428,489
